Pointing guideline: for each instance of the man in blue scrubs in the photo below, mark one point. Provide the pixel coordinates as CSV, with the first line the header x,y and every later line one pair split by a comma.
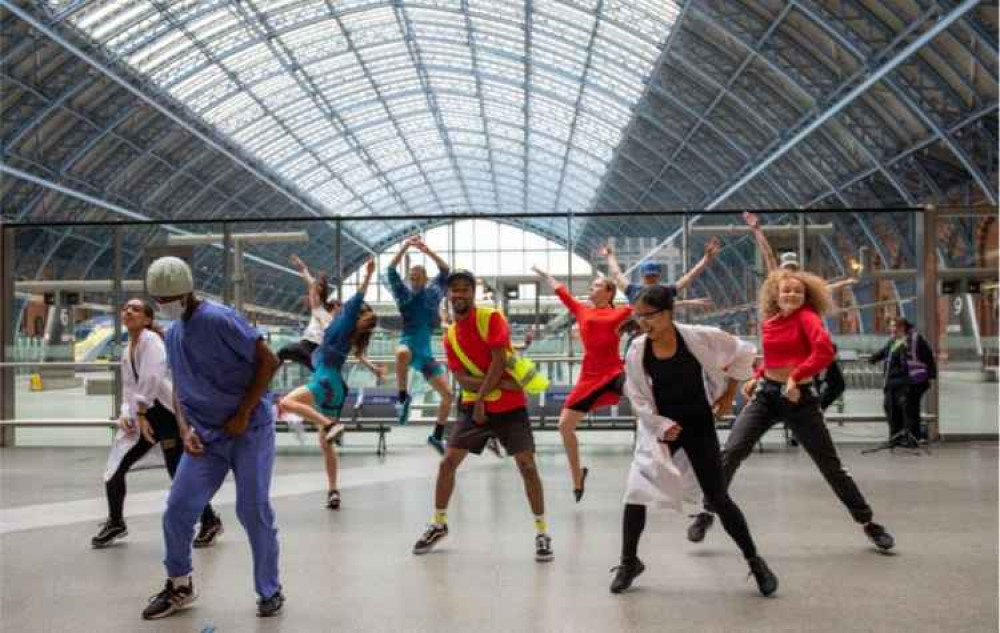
x,y
221,368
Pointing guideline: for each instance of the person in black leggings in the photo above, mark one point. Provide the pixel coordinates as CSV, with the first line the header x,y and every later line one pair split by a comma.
x,y
145,421
669,392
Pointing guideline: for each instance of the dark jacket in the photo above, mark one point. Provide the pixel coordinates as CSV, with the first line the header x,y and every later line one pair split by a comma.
x,y
831,385
896,355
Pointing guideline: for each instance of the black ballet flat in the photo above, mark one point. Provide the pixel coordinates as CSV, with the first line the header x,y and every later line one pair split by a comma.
x,y
578,492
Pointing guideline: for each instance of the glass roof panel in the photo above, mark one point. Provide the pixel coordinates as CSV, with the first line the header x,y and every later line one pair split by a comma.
x,y
388,107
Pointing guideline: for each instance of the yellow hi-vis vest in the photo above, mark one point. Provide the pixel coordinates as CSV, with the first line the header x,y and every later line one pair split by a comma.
x,y
521,368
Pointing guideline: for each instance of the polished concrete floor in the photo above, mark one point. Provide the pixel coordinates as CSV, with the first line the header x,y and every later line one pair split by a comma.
x,y
352,570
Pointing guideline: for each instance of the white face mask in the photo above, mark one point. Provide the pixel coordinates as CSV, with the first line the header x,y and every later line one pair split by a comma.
x,y
172,310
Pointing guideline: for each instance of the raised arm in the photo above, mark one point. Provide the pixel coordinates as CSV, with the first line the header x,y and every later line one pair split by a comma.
x,y
315,300
369,271
711,251
758,236
614,270
398,257
561,291
843,283
549,279
426,250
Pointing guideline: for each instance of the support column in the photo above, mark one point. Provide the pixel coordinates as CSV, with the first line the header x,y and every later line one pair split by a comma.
x,y
685,251
569,268
927,315
117,300
7,320
340,262
802,241
227,265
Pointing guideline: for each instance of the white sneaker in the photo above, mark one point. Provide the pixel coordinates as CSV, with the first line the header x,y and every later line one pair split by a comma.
x,y
333,432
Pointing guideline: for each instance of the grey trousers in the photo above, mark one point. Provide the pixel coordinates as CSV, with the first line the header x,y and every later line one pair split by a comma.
x,y
805,420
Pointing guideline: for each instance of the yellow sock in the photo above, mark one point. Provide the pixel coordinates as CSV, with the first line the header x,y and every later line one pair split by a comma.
x,y
541,525
440,517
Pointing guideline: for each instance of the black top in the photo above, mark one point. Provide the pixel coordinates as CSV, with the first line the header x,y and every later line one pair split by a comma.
x,y
678,386
896,353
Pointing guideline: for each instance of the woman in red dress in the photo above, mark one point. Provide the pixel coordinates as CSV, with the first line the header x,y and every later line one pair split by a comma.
x,y
602,373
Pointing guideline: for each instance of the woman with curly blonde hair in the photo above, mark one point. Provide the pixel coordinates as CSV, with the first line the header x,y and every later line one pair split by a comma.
x,y
796,346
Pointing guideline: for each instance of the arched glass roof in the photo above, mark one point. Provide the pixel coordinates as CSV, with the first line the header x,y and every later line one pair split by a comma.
x,y
441,106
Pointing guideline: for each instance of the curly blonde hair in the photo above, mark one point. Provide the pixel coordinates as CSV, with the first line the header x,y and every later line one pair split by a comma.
x,y
817,294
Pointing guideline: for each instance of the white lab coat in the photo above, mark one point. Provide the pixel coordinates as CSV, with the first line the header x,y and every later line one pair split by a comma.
x,y
152,385
655,478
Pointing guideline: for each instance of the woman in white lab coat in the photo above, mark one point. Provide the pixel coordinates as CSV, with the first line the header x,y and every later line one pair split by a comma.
x,y
678,378
146,419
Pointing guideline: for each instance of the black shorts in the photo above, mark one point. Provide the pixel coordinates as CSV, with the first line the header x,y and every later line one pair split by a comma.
x,y
615,385
511,428
164,425
299,352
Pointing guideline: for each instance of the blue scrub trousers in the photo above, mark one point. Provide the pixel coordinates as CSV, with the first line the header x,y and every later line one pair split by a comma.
x,y
251,458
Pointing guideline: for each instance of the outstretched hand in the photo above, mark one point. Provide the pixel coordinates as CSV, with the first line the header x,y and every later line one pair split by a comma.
x,y
712,247
370,266
752,219
297,262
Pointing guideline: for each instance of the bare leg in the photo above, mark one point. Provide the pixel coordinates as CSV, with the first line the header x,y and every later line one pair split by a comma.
x,y
532,482
568,419
446,476
300,402
403,357
329,460
440,384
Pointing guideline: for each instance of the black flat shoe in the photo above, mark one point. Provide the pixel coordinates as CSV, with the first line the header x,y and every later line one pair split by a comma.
x,y
578,492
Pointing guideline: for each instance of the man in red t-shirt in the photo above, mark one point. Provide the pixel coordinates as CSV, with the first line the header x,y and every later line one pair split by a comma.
x,y
492,405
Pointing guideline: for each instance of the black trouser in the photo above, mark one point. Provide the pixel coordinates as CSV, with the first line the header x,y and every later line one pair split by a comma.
x,y
166,434
805,420
299,352
699,441
902,408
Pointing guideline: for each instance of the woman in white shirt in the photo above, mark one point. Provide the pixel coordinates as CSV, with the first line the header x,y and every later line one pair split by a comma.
x,y
322,308
147,418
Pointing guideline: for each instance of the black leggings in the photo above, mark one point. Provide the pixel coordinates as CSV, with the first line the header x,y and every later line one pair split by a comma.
x,y
699,441
299,352
166,434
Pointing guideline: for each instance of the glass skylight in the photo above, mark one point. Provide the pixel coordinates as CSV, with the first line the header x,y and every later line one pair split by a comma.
x,y
426,108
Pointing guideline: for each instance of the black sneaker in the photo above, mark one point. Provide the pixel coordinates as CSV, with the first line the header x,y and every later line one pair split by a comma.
x,y
877,534
700,526
625,574
169,600
208,532
110,532
437,444
578,492
266,607
432,535
543,548
333,500
403,409
767,582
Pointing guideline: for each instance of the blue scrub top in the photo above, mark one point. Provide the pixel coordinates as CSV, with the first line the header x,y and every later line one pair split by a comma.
x,y
336,345
418,309
213,361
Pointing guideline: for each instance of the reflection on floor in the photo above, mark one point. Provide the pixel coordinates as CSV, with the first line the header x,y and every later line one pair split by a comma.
x,y
352,570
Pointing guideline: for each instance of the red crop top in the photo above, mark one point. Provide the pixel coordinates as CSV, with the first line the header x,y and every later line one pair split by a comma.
x,y
799,340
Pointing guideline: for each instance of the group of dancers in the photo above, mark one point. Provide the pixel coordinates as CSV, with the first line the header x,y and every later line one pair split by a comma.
x,y
213,402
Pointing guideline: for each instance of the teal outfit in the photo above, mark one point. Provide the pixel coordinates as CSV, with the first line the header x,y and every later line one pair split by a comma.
x,y
327,385
420,318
